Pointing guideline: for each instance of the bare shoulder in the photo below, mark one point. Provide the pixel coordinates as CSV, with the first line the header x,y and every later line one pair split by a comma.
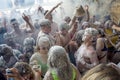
x,y
100,40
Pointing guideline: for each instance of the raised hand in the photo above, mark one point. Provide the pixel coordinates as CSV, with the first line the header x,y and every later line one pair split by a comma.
x,y
86,7
59,4
25,17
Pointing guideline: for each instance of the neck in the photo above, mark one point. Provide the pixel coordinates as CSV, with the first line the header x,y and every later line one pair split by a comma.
x,y
17,31
63,34
44,57
45,32
87,43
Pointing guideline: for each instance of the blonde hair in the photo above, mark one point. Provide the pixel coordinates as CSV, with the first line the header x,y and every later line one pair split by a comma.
x,y
102,72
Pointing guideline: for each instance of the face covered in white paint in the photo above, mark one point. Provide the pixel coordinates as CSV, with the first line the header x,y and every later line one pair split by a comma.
x,y
43,45
15,24
64,27
90,35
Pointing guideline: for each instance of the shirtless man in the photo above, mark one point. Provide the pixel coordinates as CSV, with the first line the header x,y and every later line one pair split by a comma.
x,y
86,54
20,34
54,25
63,37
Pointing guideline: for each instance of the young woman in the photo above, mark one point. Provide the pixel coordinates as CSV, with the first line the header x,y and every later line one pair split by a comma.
x,y
60,67
41,55
86,54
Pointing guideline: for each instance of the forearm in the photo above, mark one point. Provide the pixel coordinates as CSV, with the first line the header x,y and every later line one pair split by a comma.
x,y
87,16
52,10
116,27
38,76
72,21
31,26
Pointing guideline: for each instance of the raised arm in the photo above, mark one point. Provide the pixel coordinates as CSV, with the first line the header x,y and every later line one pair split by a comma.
x,y
87,15
27,20
116,27
99,46
49,12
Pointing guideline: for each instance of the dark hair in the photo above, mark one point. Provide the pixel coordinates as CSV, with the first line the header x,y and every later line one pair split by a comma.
x,y
2,77
46,12
101,32
12,20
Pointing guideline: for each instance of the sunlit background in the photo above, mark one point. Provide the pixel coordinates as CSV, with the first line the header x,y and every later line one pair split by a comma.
x,y
12,7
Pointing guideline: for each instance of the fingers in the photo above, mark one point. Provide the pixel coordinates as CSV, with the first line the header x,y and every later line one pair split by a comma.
x,y
60,3
24,14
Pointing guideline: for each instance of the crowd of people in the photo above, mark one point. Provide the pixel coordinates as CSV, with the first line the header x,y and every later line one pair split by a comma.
x,y
81,47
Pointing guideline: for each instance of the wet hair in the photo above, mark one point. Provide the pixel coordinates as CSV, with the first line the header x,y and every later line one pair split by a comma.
x,y
102,72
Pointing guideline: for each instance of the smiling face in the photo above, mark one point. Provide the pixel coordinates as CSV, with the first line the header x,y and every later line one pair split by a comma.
x,y
89,38
44,48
